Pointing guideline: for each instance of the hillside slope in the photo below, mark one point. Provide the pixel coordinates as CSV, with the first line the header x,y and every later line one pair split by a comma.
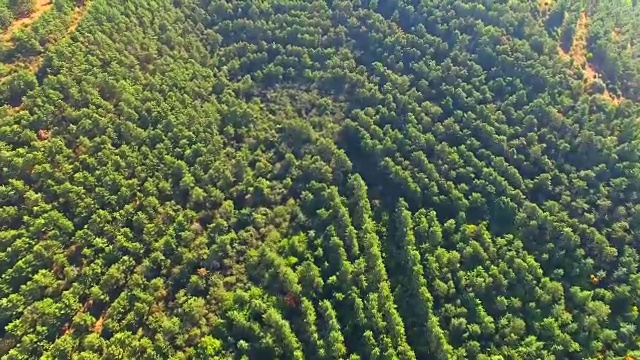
x,y
322,179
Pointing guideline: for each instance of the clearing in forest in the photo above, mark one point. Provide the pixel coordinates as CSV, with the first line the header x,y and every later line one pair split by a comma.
x,y
40,8
578,52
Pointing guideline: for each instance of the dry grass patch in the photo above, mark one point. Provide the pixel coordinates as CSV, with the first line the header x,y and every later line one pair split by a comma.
x,y
578,50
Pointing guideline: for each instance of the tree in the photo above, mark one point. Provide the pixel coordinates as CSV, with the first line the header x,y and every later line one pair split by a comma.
x,y
22,8
18,85
209,348
6,18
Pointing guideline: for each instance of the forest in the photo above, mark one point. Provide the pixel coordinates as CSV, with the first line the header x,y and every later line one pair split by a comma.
x,y
319,179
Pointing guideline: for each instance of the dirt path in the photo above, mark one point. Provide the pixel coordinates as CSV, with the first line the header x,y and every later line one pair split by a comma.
x,y
42,6
578,52
33,64
76,18
578,49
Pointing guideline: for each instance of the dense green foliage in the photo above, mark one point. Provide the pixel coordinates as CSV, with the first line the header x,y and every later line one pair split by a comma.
x,y
321,179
